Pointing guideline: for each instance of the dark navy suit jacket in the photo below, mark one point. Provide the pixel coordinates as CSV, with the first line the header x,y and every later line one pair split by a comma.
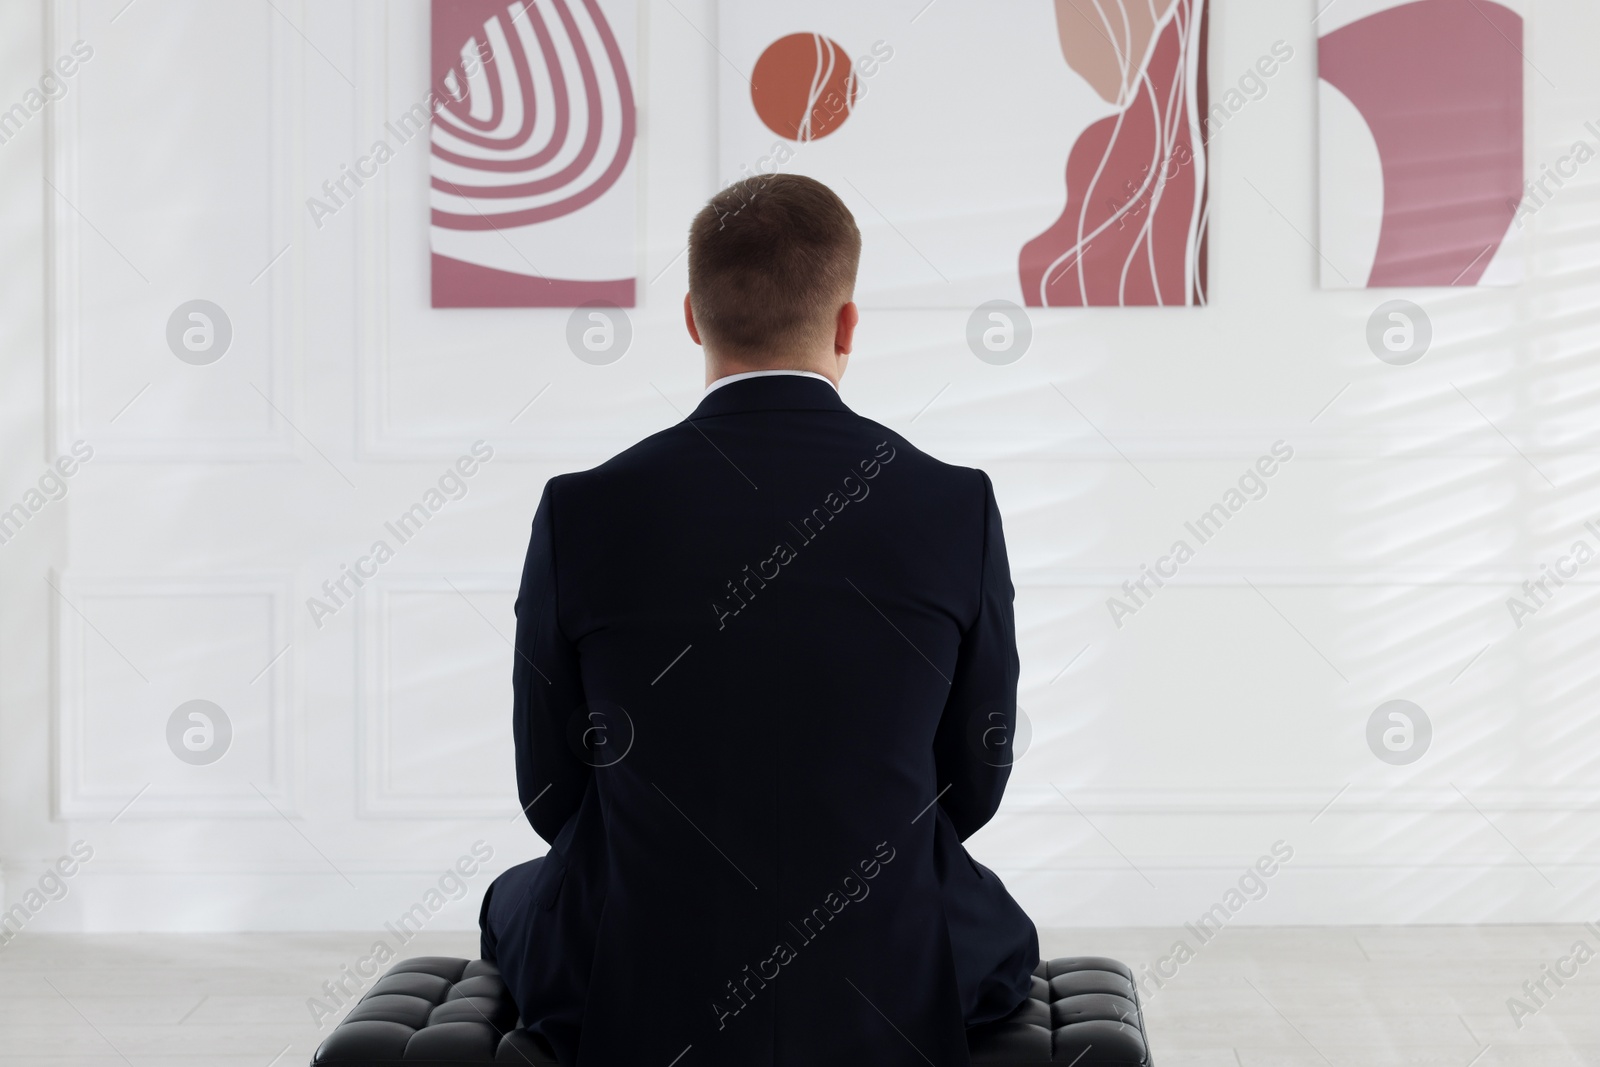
x,y
765,685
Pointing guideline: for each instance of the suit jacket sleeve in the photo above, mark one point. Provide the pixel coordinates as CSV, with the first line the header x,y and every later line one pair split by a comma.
x,y
547,689
973,745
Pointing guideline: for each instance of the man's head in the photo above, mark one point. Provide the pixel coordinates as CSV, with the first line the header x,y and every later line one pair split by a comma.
x,y
772,269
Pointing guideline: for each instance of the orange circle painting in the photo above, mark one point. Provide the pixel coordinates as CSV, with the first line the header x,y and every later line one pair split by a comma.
x,y
804,86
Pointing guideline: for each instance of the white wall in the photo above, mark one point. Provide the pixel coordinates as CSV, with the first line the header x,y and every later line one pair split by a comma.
x,y
1174,751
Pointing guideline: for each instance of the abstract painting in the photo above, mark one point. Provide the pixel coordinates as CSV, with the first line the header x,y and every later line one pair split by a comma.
x,y
1052,153
534,201
1134,228
803,86
1421,135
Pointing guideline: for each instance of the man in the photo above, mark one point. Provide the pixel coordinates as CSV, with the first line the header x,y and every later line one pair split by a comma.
x,y
765,684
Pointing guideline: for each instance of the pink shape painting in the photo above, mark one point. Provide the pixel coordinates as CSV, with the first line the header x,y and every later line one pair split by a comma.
x,y
1133,231
533,191
1431,92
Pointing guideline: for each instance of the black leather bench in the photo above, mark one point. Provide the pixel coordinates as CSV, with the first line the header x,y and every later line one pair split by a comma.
x,y
448,1012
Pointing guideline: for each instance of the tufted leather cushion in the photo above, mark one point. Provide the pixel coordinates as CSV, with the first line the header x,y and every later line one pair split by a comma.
x,y
448,1012
1083,1010
435,1010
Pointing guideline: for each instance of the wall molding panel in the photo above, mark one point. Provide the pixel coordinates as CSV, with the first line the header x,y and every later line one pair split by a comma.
x,y
538,420
259,288
131,649
456,676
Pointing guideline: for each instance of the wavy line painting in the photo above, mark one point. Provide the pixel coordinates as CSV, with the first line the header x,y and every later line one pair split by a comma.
x,y
1043,152
532,153
1133,231
803,86
1422,143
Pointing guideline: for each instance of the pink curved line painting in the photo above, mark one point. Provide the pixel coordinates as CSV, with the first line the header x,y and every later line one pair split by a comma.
x,y
1133,230
526,145
1439,85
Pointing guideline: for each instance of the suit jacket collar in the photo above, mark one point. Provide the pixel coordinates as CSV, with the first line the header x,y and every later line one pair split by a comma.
x,y
778,392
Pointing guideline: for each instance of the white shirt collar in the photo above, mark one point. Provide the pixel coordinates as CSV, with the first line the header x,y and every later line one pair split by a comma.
x,y
728,378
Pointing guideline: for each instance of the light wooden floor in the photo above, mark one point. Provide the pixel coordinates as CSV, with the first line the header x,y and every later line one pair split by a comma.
x,y
1253,997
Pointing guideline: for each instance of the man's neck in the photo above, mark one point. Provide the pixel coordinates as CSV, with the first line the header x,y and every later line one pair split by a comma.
x,y
723,368
729,379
